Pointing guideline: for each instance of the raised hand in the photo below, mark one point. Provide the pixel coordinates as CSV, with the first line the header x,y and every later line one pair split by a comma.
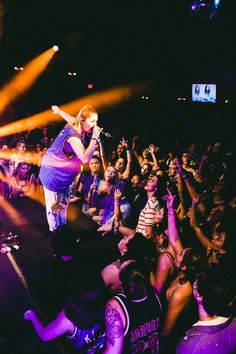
x,y
151,148
28,315
169,199
124,142
55,109
117,195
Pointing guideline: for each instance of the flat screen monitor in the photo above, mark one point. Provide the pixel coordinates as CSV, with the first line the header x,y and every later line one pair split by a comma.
x,y
204,93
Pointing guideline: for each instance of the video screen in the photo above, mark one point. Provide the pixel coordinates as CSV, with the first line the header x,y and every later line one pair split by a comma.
x,y
204,93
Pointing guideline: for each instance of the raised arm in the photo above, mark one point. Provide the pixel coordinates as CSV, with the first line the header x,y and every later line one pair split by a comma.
x,y
151,150
126,173
117,211
68,118
173,230
194,223
204,158
138,157
192,191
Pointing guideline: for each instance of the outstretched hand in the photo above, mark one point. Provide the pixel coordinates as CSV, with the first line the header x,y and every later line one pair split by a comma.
x,y
55,109
28,315
169,198
124,142
117,195
151,148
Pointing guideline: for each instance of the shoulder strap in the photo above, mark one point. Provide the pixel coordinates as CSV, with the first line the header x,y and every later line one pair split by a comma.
x,y
157,297
121,303
169,254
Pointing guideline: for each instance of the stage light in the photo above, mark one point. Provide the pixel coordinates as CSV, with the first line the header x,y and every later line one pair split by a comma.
x,y
101,100
24,79
71,73
55,48
204,9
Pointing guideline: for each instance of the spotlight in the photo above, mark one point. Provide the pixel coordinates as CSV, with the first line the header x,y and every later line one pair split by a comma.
x,y
204,9
55,48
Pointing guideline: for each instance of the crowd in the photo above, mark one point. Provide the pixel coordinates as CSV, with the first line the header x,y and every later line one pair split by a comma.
x,y
157,273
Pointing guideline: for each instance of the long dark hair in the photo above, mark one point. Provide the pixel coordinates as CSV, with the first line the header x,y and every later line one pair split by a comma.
x,y
89,296
193,264
135,280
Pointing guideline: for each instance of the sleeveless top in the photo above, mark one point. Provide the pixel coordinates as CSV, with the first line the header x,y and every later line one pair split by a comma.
x,y
142,323
59,169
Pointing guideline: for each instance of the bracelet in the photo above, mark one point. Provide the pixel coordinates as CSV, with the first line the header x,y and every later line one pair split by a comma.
x,y
116,203
184,176
94,139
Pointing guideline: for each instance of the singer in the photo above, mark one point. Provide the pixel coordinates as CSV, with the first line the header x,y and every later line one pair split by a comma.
x,y
62,160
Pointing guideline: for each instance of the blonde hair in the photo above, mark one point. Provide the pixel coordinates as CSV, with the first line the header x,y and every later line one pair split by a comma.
x,y
85,112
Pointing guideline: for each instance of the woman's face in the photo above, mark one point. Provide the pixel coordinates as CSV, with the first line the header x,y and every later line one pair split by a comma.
x,y
144,169
185,158
171,170
145,153
110,174
94,165
90,122
38,147
24,169
119,149
120,164
159,240
218,238
21,147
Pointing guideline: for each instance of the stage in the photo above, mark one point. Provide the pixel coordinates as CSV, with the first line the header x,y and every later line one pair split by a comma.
x,y
27,219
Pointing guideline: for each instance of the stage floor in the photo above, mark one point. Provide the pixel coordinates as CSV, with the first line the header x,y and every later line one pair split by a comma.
x,y
27,219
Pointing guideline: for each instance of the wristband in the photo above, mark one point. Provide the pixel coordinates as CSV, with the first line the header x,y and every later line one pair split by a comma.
x,y
116,203
94,139
184,176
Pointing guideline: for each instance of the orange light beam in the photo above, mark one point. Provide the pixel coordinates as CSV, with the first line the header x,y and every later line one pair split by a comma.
x,y
23,80
30,158
101,101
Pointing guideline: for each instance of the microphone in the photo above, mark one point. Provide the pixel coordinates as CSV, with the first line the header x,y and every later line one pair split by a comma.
x,y
107,135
